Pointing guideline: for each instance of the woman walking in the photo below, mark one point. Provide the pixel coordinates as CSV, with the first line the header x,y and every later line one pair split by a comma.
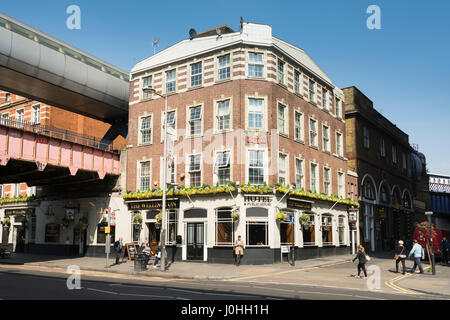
x,y
400,256
361,256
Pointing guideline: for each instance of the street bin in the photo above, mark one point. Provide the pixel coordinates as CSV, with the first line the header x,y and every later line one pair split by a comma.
x,y
139,264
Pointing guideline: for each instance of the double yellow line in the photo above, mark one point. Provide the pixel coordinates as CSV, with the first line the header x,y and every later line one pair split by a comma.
x,y
391,283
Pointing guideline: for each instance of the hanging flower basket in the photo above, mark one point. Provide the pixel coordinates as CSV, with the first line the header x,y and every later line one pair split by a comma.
x,y
158,218
235,214
6,222
281,216
304,219
137,219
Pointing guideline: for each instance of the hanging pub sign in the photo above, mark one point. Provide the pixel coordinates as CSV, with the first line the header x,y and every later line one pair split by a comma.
x,y
19,212
352,212
153,204
298,204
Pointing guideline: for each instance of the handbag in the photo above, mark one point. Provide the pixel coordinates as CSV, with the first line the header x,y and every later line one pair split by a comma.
x,y
367,257
159,254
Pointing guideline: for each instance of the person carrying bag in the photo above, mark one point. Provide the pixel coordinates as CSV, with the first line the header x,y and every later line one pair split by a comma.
x,y
400,256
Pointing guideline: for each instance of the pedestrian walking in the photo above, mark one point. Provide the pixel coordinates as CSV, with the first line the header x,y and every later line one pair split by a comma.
x,y
158,254
238,250
444,248
118,247
362,260
400,256
417,253
146,251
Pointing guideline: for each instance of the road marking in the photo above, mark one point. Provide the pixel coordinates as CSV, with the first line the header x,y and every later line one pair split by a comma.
x,y
391,284
287,271
182,290
180,298
103,291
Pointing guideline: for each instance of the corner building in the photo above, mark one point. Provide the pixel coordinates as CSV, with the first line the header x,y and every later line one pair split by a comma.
x,y
258,150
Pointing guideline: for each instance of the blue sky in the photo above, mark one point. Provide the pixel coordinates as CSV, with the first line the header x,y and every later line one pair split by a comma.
x,y
404,68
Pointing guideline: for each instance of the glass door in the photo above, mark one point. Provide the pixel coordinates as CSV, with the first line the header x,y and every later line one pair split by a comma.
x,y
195,241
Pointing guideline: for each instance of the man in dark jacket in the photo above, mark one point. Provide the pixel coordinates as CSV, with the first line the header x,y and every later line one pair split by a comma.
x,y
118,247
444,247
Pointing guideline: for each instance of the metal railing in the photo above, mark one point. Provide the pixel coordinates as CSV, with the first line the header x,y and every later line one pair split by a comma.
x,y
60,134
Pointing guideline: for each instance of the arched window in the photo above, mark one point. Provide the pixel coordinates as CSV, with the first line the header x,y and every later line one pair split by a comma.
x,y
384,195
368,191
406,201
396,197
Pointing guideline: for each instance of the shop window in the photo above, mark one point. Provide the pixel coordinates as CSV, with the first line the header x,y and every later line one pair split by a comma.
x,y
308,230
101,235
341,229
327,230
224,227
287,231
135,232
257,233
171,226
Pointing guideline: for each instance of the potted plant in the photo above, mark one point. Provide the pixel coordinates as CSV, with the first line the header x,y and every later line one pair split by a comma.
x,y
137,219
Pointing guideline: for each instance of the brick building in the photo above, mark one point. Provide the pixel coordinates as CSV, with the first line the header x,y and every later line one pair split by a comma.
x,y
380,153
259,133
15,108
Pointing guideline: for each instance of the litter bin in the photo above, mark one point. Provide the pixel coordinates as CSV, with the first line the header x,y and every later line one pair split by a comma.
x,y
139,264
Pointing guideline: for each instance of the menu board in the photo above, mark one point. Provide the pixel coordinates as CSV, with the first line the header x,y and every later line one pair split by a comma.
x,y
130,251
52,232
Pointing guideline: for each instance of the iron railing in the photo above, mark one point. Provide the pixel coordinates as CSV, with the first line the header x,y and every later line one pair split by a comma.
x,y
60,134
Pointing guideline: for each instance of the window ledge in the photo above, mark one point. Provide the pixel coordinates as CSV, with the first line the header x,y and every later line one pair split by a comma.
x,y
327,152
193,137
223,80
144,144
195,88
285,135
314,147
256,78
299,141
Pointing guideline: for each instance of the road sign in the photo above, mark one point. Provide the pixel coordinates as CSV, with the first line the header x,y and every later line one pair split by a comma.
x,y
107,230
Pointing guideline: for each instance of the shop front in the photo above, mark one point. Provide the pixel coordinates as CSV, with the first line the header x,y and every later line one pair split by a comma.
x,y
146,219
18,228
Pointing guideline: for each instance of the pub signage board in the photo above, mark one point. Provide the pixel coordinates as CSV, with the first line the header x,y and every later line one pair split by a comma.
x,y
262,201
19,212
298,204
153,204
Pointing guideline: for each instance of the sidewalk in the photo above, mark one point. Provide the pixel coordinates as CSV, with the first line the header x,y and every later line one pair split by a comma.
x,y
438,284
177,270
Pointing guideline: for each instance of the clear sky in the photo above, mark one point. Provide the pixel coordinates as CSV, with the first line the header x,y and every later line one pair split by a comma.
x,y
404,68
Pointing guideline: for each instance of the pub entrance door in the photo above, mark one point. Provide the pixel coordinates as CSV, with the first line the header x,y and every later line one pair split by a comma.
x,y
19,235
154,235
195,240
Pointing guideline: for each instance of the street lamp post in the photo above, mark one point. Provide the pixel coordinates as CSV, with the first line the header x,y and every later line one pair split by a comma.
x,y
164,185
433,264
